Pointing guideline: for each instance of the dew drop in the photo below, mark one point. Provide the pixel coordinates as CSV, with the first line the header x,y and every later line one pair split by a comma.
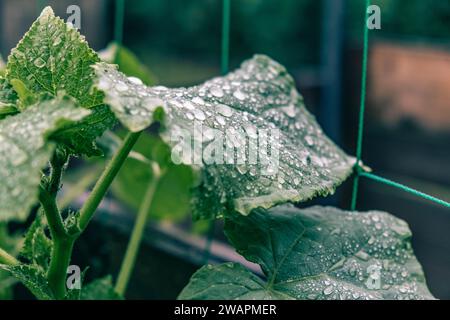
x,y
221,120
216,91
328,290
57,41
224,110
135,80
199,115
238,94
39,62
121,87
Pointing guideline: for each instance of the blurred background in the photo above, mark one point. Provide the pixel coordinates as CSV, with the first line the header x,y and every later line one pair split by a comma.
x,y
407,134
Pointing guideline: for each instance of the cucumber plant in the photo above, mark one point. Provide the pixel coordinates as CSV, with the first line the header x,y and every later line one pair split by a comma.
x,y
58,100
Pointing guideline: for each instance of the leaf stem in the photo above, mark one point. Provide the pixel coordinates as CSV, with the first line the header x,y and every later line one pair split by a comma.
x,y
137,233
107,177
6,258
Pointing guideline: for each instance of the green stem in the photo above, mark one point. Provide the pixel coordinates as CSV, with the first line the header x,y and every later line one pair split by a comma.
x,y
59,262
6,258
54,219
137,233
62,242
107,177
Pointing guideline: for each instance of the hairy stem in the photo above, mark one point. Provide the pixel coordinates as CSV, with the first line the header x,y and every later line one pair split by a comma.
x,y
107,177
6,258
137,233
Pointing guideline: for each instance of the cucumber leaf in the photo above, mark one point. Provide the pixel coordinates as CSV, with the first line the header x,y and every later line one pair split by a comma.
x,y
315,253
258,99
25,150
52,57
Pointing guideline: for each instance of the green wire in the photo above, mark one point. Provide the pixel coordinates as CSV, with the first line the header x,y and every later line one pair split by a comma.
x,y
358,170
404,188
118,23
225,54
362,108
225,36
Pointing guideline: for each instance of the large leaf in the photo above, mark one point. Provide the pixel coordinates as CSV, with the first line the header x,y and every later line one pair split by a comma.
x,y
316,253
53,57
258,98
25,151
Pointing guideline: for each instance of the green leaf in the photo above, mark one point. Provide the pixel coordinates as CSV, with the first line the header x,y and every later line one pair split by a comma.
x,y
8,99
258,98
54,57
128,63
37,247
25,152
79,138
173,194
100,289
316,253
33,278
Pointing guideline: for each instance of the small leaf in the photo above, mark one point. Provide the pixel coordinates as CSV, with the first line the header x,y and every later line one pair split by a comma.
x,y
258,99
37,247
25,151
54,57
33,278
100,289
128,63
316,253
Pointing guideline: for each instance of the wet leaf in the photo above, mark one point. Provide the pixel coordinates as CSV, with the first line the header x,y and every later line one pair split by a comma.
x,y
256,105
54,57
316,253
25,150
